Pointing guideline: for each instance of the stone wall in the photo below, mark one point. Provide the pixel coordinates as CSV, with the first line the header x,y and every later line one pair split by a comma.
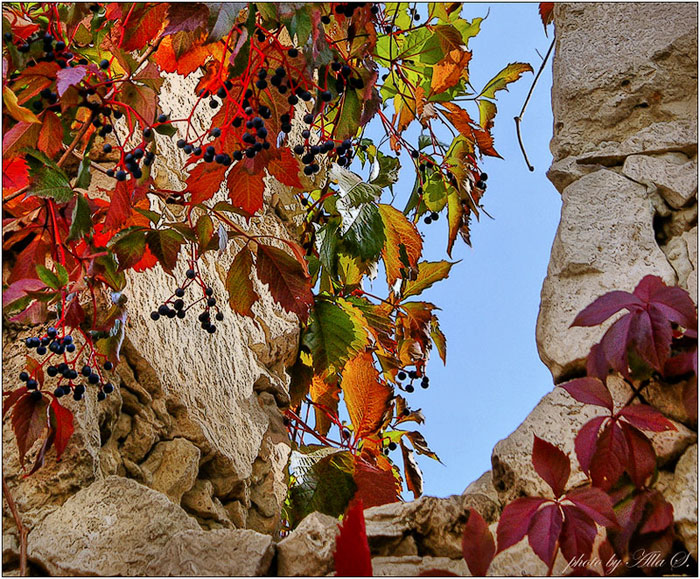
x,y
169,476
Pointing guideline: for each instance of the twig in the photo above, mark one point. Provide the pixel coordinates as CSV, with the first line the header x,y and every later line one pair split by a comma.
x,y
519,118
20,527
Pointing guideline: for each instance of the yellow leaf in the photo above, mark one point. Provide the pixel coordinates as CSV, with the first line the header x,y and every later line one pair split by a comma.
x,y
366,397
17,112
450,70
509,74
399,232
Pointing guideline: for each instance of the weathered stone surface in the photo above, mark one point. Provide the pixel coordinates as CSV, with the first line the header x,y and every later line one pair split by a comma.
x,y
412,566
172,468
200,501
683,495
308,550
114,527
670,444
222,552
673,174
483,487
682,253
621,84
556,419
605,241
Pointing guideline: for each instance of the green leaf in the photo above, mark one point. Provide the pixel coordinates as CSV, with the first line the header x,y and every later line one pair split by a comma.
x,y
509,74
429,272
106,268
365,237
438,339
388,171
62,274
48,181
348,120
327,239
225,18
435,193
443,39
81,221
301,26
48,277
239,284
166,129
165,245
324,483
204,230
334,335
153,216
84,173
487,111
467,29
129,248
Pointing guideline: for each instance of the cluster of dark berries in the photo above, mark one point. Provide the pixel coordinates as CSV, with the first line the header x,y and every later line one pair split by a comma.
x,y
433,216
412,375
481,183
64,370
52,50
389,447
347,9
175,307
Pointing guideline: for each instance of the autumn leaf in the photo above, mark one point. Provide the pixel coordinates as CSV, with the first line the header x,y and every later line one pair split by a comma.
x,y
29,420
245,189
146,21
551,464
15,175
67,77
478,546
62,423
429,272
51,135
165,245
285,168
17,112
450,70
205,180
399,232
546,10
129,248
351,555
375,486
285,276
412,472
239,284
366,397
509,74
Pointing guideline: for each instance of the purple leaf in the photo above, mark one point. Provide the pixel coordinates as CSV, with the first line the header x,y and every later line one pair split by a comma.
x,y
585,443
676,305
610,458
543,533
660,516
67,77
19,289
596,363
515,520
651,333
596,504
614,344
589,391
551,464
478,547
186,16
605,306
641,458
577,534
645,417
648,286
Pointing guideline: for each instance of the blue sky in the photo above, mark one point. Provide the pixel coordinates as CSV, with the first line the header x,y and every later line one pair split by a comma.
x,y
494,376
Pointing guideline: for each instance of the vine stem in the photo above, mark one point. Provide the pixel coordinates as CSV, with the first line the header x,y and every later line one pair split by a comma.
x,y
20,527
519,118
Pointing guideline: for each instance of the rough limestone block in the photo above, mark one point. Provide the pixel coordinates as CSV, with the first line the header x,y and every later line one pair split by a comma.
x,y
556,418
199,500
483,486
605,241
114,527
172,468
218,553
675,176
611,79
308,550
682,253
670,444
413,566
683,495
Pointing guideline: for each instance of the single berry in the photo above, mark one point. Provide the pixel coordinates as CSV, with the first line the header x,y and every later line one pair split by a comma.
x,y
325,19
219,317
211,329
410,388
32,384
178,304
58,392
392,446
211,302
427,220
108,388
23,376
52,371
108,365
79,389
104,64
293,52
484,177
120,175
155,316
480,185
70,348
434,216
93,379
101,396
326,96
162,118
107,148
86,371
147,132
36,396
190,274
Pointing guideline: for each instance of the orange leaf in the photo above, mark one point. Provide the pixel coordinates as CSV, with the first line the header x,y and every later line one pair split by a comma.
x,y
448,72
285,168
366,397
325,394
375,486
205,180
246,189
51,135
144,24
17,112
15,175
399,232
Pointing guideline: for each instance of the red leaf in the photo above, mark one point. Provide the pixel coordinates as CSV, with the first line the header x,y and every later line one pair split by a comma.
x,y
577,534
374,486
610,458
615,342
546,13
35,370
683,363
658,514
119,208
63,427
605,306
15,175
287,279
543,533
165,245
651,333
145,24
648,286
589,391
185,16
28,422
641,458
285,168
22,135
515,520
75,315
645,417
205,180
51,134
352,558
551,464
67,77
596,504
478,547
19,289
11,398
596,363
246,189
676,305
